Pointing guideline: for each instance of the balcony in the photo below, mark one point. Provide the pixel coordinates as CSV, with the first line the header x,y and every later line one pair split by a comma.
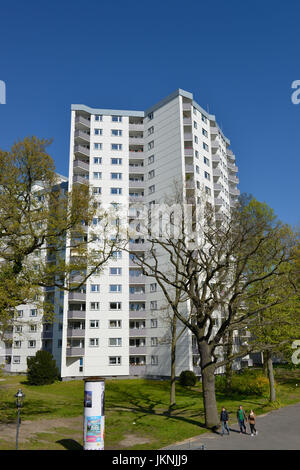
x,y
136,141
214,130
138,169
133,279
230,154
233,179
137,199
136,183
75,333
80,296
218,187
234,191
219,202
80,165
138,333
187,121
217,172
188,152
187,106
216,158
138,155
76,314
215,144
136,127
75,352
232,167
137,296
134,350
189,168
81,150
188,136
190,184
82,136
82,122
80,179
141,246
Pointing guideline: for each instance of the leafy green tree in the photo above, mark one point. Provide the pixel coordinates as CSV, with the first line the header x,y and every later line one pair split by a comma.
x,y
40,221
42,369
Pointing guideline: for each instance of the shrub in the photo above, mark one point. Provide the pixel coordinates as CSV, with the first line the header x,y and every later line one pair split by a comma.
x,y
187,378
42,369
245,383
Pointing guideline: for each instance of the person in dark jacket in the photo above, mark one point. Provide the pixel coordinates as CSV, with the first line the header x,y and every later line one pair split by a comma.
x,y
224,420
241,417
252,421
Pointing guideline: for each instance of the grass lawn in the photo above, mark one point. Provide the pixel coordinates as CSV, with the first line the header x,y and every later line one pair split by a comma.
x,y
136,412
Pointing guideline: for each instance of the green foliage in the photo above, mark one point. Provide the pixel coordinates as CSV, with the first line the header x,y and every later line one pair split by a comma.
x,y
42,369
248,382
187,378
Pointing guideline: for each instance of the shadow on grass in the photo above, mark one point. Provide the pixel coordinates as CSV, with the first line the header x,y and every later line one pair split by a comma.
x,y
70,444
146,404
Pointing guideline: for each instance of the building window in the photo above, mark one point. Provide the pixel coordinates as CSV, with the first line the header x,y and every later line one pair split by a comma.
x,y
205,146
153,323
152,189
94,305
153,305
151,174
114,360
207,175
195,125
98,131
150,159
116,146
17,344
204,132
97,190
154,360
94,323
20,313
196,154
115,305
98,117
31,344
115,190
153,287
97,175
116,161
195,139
116,118
18,329
33,328
151,130
94,342
97,160
115,271
151,145
97,146
116,176
33,312
115,324
204,119
116,132
206,161
154,341
95,287
115,341
115,288
116,254
207,190
150,116
16,359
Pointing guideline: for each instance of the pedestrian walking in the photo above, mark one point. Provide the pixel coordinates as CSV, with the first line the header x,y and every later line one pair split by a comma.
x,y
241,417
252,421
224,421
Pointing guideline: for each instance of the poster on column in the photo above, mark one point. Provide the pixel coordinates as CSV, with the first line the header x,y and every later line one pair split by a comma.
x,y
94,396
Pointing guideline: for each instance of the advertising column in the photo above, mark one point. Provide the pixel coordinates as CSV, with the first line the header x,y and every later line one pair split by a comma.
x,y
93,422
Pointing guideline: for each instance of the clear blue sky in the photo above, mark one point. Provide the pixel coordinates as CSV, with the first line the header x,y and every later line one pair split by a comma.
x,y
238,58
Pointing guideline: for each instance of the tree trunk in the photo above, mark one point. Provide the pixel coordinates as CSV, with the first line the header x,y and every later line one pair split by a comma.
x,y
208,386
173,363
271,376
265,363
228,366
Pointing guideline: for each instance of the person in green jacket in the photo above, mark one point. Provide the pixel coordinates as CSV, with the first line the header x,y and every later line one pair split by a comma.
x,y
241,417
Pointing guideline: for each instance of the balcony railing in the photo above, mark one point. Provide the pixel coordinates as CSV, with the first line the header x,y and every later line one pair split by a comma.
x,y
81,121
75,332
80,165
82,135
75,352
82,150
80,179
76,314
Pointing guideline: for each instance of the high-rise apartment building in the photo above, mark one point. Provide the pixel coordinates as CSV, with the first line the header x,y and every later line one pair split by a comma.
x,y
114,326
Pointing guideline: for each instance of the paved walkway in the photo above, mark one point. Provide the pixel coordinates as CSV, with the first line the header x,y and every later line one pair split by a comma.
x,y
277,430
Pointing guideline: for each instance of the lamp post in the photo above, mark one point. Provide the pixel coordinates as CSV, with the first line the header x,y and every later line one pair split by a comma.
x,y
19,403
